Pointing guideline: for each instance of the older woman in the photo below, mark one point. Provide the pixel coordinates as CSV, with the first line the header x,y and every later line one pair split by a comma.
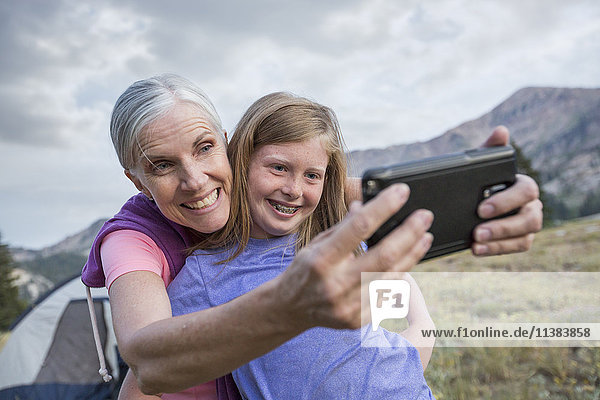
x,y
171,145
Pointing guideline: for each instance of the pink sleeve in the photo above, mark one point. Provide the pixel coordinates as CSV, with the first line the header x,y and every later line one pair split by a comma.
x,y
127,250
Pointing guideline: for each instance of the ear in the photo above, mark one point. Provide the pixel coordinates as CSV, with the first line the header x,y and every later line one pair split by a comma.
x,y
226,138
138,184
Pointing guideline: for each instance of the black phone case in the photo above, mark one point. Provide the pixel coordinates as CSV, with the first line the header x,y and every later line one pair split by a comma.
x,y
451,186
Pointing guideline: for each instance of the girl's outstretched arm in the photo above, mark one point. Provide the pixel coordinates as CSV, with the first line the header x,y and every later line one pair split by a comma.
x,y
418,319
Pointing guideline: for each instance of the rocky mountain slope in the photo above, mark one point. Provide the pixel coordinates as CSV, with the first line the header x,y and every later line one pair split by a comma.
x,y
78,243
39,270
558,129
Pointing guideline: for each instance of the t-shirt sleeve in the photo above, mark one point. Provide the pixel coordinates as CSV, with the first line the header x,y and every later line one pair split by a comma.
x,y
187,293
127,250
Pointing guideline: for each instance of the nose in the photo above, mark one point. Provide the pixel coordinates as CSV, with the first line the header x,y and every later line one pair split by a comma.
x,y
193,176
292,187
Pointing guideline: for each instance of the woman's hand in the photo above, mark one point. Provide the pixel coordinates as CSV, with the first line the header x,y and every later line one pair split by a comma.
x,y
513,233
322,286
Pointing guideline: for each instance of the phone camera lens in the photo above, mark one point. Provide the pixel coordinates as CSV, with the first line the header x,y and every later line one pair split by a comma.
x,y
372,187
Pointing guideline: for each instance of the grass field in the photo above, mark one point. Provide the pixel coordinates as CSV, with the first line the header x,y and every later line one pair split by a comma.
x,y
519,372
523,372
3,338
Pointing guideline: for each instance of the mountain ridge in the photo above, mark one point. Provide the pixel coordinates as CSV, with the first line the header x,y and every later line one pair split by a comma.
x,y
78,243
576,127
558,129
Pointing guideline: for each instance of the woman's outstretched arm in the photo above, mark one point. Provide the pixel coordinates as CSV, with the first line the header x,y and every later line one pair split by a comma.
x,y
320,288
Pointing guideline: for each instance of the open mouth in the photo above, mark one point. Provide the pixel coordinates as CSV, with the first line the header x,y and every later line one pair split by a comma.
x,y
204,203
283,209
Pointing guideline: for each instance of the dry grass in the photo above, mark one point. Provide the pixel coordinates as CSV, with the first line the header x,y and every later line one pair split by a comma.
x,y
3,338
574,246
523,372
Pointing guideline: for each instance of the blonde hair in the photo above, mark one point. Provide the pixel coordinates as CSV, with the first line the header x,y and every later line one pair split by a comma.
x,y
274,119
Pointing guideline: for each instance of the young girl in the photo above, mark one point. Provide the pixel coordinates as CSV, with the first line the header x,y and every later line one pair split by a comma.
x,y
289,173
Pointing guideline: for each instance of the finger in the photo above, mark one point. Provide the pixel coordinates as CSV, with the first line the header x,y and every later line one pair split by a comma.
x,y
362,222
506,246
522,192
415,255
397,246
322,235
499,137
528,220
354,207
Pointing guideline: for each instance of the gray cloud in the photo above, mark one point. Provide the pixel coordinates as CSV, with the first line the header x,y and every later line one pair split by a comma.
x,y
53,52
393,71
18,124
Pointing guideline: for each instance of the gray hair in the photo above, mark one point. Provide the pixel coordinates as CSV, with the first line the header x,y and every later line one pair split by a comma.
x,y
145,102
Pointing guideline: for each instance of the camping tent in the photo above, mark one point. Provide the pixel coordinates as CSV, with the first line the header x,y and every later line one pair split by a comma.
x,y
50,353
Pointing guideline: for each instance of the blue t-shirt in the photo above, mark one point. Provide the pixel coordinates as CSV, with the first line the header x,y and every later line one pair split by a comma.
x,y
320,363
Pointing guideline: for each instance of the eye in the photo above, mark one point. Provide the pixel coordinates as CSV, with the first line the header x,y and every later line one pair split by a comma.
x,y
278,168
312,176
205,148
160,166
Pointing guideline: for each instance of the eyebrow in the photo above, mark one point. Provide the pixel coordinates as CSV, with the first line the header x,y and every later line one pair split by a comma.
x,y
202,137
147,154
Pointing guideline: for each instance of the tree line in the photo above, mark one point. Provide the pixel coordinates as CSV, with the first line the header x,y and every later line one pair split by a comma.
x,y
11,305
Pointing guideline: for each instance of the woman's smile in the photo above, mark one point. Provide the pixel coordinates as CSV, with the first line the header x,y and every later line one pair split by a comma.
x,y
204,202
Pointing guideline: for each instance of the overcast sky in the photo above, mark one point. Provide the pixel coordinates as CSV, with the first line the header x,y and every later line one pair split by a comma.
x,y
394,72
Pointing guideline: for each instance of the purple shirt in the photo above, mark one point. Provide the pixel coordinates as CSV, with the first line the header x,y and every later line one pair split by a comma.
x,y
142,215
320,363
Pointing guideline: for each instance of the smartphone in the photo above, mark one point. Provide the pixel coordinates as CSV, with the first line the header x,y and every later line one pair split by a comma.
x,y
451,186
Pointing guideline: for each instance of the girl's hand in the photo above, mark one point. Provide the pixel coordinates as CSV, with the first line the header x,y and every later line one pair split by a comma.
x,y
514,233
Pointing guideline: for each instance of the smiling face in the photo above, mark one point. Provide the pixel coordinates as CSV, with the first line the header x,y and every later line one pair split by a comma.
x,y
185,169
285,183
